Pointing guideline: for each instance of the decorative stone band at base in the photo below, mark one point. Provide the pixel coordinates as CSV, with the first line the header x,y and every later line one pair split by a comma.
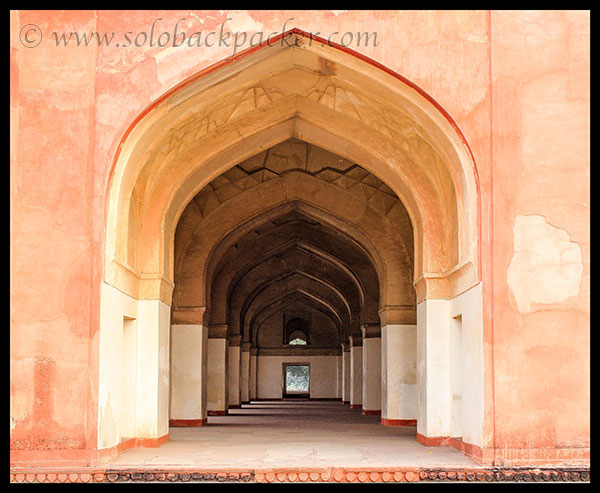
x,y
399,422
235,406
355,406
187,422
300,475
77,458
216,413
371,412
542,457
345,402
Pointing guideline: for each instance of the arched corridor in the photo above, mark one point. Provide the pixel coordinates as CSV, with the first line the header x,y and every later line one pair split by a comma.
x,y
238,240
290,265
353,216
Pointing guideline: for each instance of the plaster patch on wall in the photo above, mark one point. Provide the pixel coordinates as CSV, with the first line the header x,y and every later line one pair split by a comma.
x,y
546,266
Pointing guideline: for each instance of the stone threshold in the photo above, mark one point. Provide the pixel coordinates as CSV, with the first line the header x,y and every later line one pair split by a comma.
x,y
302,475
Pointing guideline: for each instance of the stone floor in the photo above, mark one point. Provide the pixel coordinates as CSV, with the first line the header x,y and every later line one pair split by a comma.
x,y
293,434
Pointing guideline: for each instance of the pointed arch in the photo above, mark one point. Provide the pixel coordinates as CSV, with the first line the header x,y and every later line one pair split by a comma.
x,y
222,115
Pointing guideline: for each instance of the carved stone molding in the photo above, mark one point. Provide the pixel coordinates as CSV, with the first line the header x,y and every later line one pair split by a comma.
x,y
305,475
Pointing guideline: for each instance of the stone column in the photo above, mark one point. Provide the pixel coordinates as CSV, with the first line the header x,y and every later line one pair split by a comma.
x,y
345,373
245,373
216,371
398,367
433,375
152,389
371,361
233,372
188,375
253,368
356,369
340,375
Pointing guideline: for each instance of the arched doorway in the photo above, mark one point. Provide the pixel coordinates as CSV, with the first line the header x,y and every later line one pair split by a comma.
x,y
418,229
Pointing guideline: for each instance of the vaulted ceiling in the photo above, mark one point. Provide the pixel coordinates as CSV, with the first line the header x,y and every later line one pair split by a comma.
x,y
291,261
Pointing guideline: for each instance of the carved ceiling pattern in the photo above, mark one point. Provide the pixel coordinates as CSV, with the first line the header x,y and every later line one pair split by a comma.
x,y
295,155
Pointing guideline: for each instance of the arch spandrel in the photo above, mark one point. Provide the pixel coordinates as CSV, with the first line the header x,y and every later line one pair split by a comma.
x,y
425,185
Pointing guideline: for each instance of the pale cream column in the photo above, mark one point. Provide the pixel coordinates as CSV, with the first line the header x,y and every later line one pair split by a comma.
x,y
433,372
216,371
345,373
188,375
340,375
253,363
233,372
371,360
152,389
466,364
356,369
399,405
245,373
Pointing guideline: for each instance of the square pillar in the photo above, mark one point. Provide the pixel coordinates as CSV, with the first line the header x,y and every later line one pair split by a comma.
x,y
340,375
152,389
371,362
356,369
188,375
233,372
253,368
245,373
216,371
399,406
345,373
433,372
398,375
466,365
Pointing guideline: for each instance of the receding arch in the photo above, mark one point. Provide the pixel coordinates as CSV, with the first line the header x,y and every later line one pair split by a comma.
x,y
264,295
298,294
293,245
266,275
321,201
274,243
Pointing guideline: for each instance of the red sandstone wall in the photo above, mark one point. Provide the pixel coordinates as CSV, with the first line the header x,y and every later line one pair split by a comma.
x,y
540,122
53,245
513,82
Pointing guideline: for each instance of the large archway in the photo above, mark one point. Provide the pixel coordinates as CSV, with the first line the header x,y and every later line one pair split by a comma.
x,y
403,194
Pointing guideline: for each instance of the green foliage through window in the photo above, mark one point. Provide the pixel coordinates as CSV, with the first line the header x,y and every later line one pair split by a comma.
x,y
296,378
297,342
